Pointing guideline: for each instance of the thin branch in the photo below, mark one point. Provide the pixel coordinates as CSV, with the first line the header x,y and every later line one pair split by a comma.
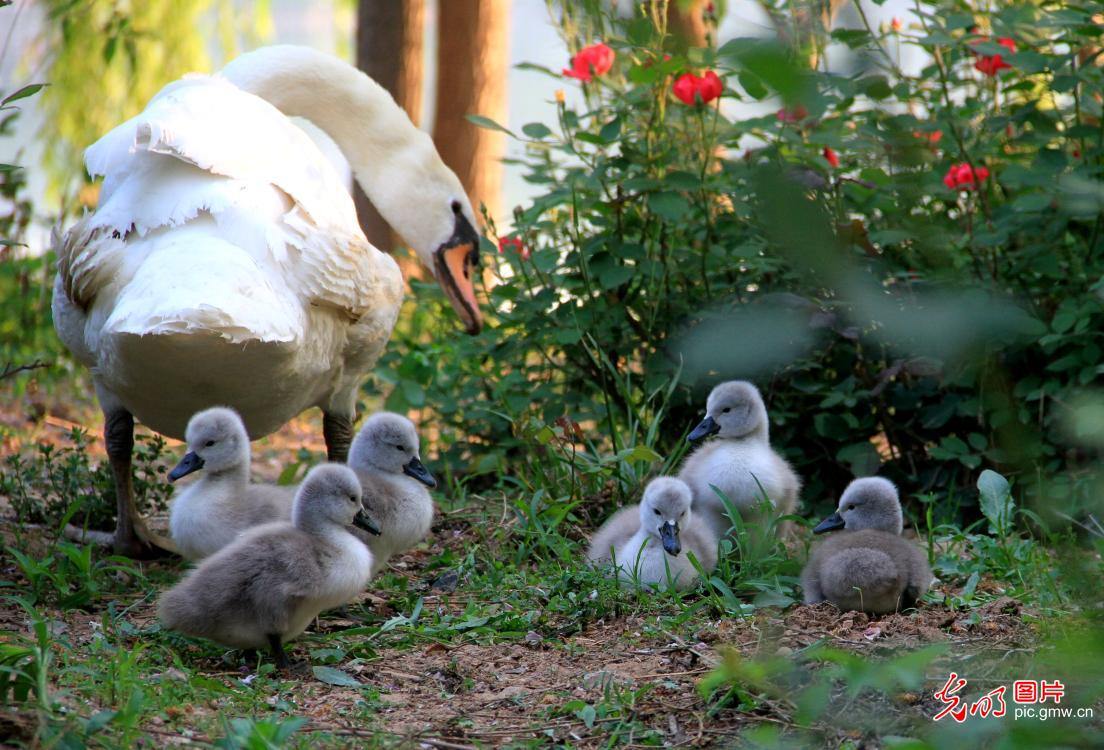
x,y
11,369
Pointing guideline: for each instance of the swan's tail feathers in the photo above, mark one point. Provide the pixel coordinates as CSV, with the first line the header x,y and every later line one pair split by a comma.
x,y
231,298
88,257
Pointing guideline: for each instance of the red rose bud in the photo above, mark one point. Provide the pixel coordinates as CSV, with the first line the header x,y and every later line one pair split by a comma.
x,y
830,155
597,59
797,114
516,243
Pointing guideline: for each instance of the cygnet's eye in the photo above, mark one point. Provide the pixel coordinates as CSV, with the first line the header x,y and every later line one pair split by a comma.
x,y
209,443
851,507
401,448
353,498
726,410
656,511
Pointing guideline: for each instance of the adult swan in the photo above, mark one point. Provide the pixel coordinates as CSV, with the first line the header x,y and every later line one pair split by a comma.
x,y
225,265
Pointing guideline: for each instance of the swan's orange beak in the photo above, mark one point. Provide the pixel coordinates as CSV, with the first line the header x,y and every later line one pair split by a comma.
x,y
455,263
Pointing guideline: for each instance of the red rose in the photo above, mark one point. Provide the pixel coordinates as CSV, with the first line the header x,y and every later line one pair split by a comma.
x,y
690,89
594,60
961,177
991,65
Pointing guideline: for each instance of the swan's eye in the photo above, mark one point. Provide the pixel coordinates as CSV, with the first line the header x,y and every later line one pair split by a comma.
x,y
209,443
456,207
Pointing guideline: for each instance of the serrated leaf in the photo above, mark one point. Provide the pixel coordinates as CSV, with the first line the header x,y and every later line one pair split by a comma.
x,y
334,676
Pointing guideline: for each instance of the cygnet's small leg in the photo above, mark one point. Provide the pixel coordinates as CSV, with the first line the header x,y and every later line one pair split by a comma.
x,y
278,653
909,598
337,429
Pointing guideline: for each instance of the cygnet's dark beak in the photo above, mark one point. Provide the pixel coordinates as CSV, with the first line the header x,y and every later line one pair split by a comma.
x,y
668,534
831,523
707,427
191,462
362,521
414,468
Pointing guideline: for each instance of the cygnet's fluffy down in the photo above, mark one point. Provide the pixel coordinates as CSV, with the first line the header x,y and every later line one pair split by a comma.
x,y
212,512
386,458
649,543
867,566
738,461
266,587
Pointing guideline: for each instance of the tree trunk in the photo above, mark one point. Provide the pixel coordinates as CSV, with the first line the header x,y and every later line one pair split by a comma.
x,y
472,67
390,48
686,24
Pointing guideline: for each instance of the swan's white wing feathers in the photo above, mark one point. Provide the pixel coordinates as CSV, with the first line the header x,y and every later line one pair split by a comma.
x,y
270,190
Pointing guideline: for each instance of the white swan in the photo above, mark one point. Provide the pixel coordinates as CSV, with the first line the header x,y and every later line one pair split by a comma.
x,y
225,265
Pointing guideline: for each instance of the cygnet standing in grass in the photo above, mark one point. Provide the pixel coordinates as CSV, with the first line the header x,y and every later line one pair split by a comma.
x,y
738,461
650,540
385,457
209,514
867,566
266,587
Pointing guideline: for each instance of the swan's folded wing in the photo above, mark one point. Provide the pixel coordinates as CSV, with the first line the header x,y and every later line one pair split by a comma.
x,y
269,187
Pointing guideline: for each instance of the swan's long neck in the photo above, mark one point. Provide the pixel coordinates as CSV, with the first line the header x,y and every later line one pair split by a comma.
x,y
380,142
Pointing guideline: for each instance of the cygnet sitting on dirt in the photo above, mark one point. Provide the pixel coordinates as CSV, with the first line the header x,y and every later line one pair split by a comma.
x,y
649,543
867,566
739,460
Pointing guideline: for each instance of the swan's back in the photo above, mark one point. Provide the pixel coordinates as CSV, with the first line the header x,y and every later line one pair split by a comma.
x,y
224,242
270,190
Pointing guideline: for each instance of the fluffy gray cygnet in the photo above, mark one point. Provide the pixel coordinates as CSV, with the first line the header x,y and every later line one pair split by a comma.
x,y
867,566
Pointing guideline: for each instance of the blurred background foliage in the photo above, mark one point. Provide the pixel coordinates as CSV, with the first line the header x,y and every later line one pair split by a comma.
x,y
894,324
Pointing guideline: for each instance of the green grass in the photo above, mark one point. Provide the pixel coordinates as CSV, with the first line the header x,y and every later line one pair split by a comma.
x,y
93,667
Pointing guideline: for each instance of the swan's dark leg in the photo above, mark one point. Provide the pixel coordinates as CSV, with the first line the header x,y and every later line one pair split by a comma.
x,y
119,438
132,539
338,431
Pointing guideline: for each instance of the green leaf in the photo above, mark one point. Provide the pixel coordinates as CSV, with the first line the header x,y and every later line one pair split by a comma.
x,y
536,130
334,676
23,93
610,130
488,123
996,501
616,275
752,85
670,206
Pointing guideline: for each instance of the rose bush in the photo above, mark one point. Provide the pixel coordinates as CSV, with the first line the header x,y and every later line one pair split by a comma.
x,y
893,325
